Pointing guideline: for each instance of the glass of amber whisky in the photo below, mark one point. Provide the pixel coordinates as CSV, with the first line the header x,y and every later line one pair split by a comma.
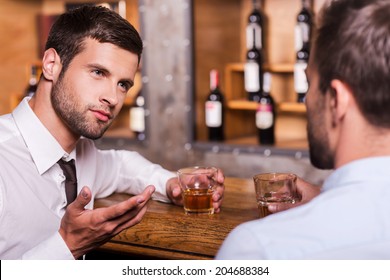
x,y
198,185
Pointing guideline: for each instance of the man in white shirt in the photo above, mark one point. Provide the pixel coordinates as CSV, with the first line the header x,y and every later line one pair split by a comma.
x,y
91,58
348,108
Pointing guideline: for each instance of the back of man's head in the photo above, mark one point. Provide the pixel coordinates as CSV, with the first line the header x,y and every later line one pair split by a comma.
x,y
353,45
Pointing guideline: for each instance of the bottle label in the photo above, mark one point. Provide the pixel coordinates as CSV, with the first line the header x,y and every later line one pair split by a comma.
x,y
251,77
298,38
137,119
302,32
264,116
213,113
305,29
249,36
300,80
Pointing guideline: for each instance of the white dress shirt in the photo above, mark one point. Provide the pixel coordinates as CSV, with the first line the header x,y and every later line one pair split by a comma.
x,y
350,219
32,185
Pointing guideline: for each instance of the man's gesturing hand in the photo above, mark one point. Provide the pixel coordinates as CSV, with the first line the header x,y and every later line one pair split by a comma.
x,y
84,230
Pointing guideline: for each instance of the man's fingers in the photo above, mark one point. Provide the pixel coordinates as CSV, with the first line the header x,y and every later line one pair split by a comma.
x,y
82,199
130,217
274,207
220,176
129,222
176,191
127,213
135,202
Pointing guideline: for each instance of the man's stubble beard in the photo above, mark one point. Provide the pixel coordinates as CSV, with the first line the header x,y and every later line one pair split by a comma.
x,y
74,116
319,148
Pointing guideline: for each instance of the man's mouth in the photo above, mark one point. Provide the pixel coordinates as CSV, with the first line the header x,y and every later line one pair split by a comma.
x,y
102,115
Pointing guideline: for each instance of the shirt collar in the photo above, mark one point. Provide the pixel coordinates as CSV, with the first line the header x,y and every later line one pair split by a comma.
x,y
44,148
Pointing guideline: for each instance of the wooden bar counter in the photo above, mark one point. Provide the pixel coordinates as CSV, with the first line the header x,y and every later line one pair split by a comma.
x,y
166,232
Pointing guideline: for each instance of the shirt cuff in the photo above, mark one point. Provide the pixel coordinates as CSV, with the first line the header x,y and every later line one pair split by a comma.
x,y
53,248
161,189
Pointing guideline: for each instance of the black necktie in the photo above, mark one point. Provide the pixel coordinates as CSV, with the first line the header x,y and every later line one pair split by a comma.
x,y
69,169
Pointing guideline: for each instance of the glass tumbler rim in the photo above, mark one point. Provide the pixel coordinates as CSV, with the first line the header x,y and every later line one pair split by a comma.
x,y
266,174
190,169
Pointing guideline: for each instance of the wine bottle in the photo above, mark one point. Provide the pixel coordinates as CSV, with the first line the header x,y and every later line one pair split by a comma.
x,y
265,114
255,24
137,117
303,25
32,82
300,80
214,109
302,47
253,72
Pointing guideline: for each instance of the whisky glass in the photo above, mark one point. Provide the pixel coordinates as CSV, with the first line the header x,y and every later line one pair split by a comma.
x,y
274,188
198,185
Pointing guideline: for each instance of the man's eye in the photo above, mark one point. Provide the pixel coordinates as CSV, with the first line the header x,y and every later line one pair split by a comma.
x,y
98,72
125,87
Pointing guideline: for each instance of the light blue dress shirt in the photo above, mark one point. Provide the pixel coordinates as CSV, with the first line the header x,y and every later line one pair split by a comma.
x,y
350,219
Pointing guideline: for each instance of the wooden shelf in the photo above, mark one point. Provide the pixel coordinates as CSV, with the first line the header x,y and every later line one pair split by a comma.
x,y
242,105
292,107
284,107
280,68
277,68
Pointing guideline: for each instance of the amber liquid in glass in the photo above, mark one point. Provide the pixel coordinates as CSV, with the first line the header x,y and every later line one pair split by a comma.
x,y
198,201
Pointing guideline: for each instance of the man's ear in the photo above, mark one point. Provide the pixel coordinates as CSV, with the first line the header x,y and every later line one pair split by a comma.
x,y
340,97
51,65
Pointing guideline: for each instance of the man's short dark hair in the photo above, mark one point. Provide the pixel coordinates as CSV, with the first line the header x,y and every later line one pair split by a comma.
x,y
353,45
68,33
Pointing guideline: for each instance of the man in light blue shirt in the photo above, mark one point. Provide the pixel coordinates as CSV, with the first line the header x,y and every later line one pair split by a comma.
x,y
348,130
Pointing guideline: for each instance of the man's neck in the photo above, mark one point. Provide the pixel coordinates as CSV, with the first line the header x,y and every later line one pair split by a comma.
x,y
362,141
